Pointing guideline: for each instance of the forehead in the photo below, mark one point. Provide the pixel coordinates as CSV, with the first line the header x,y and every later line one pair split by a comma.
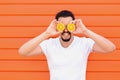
x,y
65,19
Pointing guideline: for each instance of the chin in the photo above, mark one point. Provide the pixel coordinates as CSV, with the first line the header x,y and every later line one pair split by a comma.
x,y
66,39
66,36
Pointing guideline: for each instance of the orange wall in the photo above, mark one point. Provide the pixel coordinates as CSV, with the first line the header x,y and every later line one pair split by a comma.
x,y
21,20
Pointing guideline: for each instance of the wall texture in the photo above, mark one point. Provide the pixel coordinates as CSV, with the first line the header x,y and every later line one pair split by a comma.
x,y
21,20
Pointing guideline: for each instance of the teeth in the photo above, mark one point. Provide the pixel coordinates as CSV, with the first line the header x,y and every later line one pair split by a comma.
x,y
66,33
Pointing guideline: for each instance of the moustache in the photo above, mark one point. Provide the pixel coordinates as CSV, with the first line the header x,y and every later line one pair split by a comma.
x,y
66,32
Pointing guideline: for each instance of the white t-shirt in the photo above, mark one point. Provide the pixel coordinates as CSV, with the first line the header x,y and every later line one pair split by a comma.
x,y
67,63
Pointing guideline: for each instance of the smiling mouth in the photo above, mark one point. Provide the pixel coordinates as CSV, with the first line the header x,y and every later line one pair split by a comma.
x,y
66,32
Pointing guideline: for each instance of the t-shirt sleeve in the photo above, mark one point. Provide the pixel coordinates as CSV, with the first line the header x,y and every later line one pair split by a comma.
x,y
89,44
43,46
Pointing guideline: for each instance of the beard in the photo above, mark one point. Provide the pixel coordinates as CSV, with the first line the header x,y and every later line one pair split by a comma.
x,y
67,39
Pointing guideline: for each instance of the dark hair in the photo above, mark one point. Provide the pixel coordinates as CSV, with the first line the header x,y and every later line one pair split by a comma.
x,y
64,13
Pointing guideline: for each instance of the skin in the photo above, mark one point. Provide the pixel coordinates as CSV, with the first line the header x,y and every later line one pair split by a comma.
x,y
102,45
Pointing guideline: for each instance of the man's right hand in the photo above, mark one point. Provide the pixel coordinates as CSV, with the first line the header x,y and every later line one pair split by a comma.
x,y
51,30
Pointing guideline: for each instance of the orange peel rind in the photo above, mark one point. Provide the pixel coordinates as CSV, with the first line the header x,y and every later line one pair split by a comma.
x,y
71,27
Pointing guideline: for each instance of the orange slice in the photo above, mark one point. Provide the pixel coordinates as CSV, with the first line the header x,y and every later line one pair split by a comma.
x,y
71,27
60,27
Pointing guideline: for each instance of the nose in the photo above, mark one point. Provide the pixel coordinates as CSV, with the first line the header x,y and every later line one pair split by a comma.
x,y
65,30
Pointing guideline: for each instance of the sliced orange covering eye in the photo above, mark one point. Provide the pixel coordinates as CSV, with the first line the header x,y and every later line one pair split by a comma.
x,y
60,27
71,27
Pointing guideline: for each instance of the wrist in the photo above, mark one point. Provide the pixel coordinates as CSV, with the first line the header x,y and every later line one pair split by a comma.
x,y
46,34
85,31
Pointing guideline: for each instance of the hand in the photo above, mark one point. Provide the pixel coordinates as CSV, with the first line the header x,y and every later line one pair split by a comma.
x,y
80,27
51,30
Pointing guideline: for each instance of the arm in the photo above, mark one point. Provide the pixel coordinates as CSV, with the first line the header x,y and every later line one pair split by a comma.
x,y
102,45
32,47
29,47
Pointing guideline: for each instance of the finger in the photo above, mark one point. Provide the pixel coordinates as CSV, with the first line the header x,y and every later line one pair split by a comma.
x,y
56,33
58,22
74,32
80,21
54,21
73,22
75,19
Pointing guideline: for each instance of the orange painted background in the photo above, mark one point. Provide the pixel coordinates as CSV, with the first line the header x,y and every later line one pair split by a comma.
x,y
21,20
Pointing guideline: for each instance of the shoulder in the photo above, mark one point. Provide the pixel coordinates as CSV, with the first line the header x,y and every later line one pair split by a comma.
x,y
51,41
82,39
48,42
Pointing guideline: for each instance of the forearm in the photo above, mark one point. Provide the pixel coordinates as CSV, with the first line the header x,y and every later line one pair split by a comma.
x,y
102,42
33,43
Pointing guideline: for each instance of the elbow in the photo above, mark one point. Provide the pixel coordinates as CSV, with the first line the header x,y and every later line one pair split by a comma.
x,y
21,52
111,49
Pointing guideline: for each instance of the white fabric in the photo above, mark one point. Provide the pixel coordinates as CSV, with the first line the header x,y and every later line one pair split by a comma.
x,y
67,63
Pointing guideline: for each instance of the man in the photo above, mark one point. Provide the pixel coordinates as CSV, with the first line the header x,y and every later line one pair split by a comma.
x,y
67,54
